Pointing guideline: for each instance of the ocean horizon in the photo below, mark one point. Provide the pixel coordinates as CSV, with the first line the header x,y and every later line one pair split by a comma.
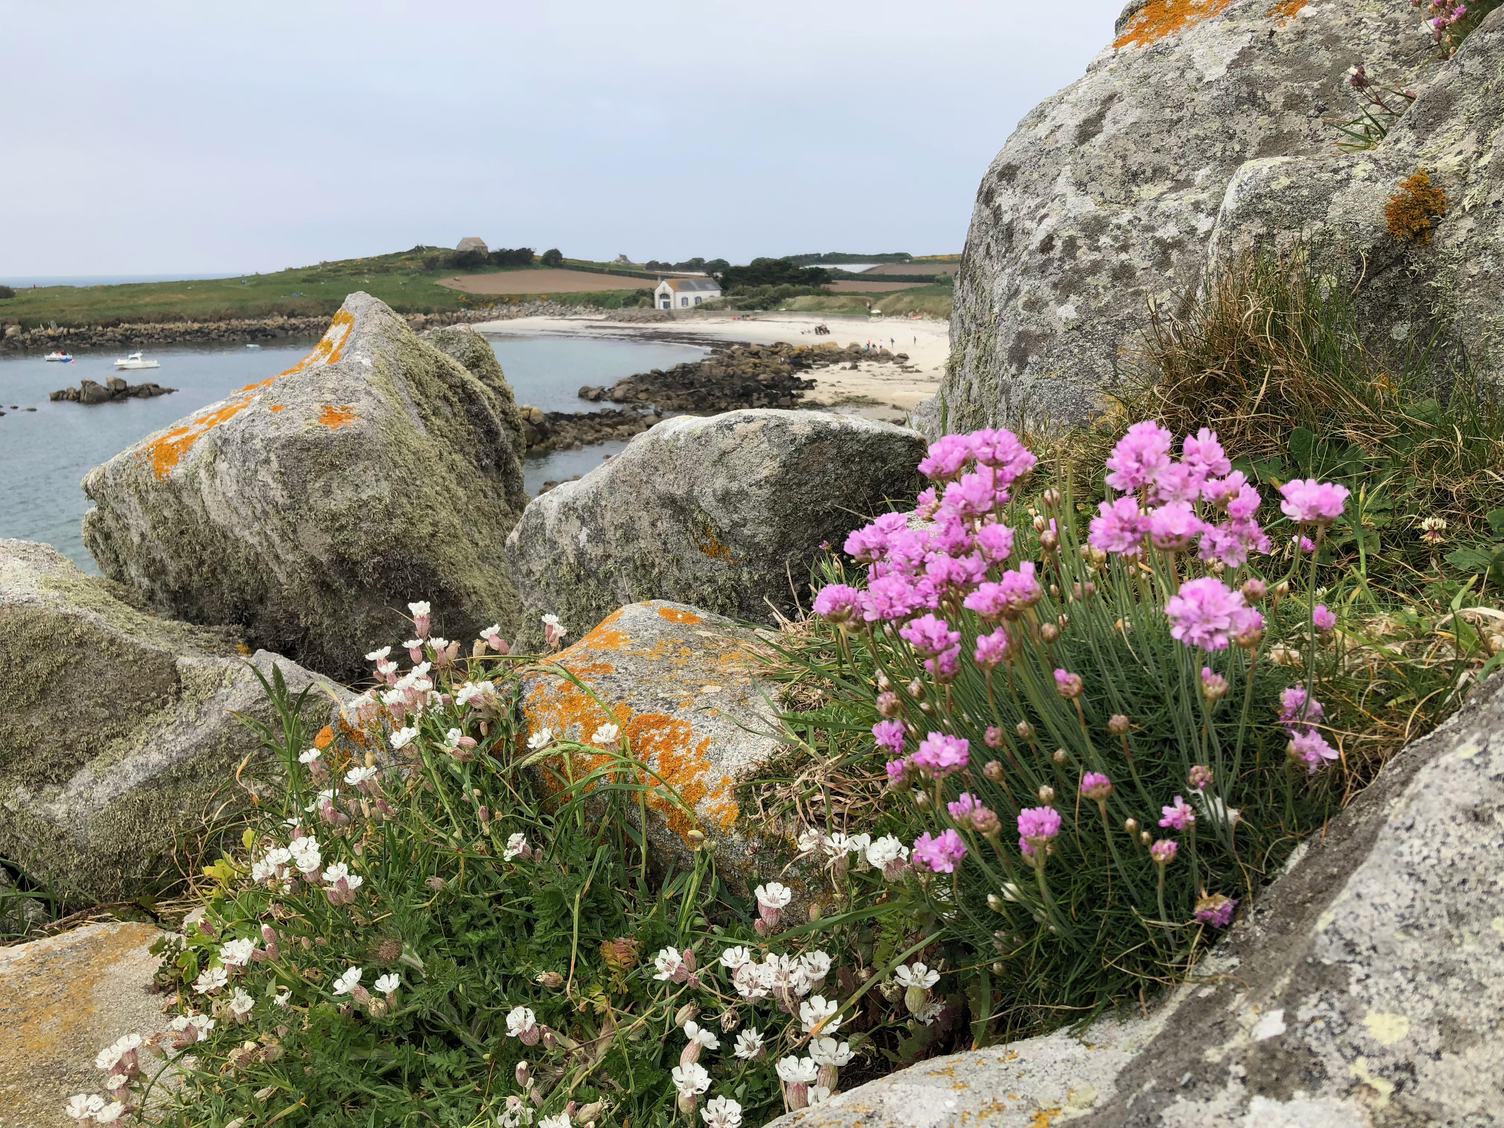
x,y
26,281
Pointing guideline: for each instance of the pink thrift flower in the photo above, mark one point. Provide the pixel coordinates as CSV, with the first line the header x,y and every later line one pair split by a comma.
x,y
1204,452
1311,502
1298,707
1205,613
1310,748
1323,618
945,666
1174,526
962,807
1002,451
976,494
994,542
940,755
1139,458
1163,851
889,735
1178,481
929,635
992,648
1215,910
1067,684
838,603
890,598
1095,786
870,543
1177,816
1037,827
1019,589
947,457
1119,528
940,853
897,770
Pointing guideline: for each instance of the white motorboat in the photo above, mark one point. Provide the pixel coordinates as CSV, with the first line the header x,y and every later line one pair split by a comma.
x,y
136,360
60,357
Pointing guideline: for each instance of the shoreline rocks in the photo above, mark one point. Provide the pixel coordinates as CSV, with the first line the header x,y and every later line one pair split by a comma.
x,y
309,508
92,392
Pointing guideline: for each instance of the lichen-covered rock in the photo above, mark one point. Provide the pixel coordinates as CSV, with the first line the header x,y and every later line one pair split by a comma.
x,y
686,689
120,747
1105,195
725,513
62,999
310,507
1364,990
1443,285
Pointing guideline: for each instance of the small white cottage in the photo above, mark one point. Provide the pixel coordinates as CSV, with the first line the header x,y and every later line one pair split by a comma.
x,y
685,293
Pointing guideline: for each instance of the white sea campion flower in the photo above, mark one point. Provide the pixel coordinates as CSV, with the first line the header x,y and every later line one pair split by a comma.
x,y
560,1121
348,980
697,1033
722,1112
916,975
210,980
304,853
475,694
121,1048
748,1043
83,1106
357,776
828,1051
553,630
774,895
241,1003
810,840
309,756
420,608
378,655
604,735
236,953
516,847
522,1024
282,997
884,850
387,984
797,1070
817,1015
735,957
815,964
109,1113
691,1080
399,740
670,966
539,739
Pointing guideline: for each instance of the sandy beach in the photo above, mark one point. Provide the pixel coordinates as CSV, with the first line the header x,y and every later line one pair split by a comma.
x,y
884,391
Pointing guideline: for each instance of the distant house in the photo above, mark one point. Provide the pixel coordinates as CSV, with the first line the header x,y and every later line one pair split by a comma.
x,y
471,243
684,293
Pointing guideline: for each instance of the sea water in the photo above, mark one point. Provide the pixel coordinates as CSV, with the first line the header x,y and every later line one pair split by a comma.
x,y
45,452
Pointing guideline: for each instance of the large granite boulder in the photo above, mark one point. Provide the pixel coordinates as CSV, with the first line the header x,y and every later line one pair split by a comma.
x,y
121,750
1446,287
1364,990
310,507
725,513
686,689
1106,193
62,999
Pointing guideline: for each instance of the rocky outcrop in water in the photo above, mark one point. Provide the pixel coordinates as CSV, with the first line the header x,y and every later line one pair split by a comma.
x,y
725,513
1107,193
311,507
1365,989
115,388
121,751
569,430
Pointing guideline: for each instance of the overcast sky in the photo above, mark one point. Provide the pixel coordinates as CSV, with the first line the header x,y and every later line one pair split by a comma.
x,y
152,137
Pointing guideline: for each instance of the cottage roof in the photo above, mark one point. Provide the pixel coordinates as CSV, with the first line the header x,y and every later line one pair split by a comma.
x,y
692,285
471,243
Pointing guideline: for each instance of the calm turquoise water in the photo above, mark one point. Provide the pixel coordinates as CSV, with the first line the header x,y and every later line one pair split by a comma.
x,y
44,454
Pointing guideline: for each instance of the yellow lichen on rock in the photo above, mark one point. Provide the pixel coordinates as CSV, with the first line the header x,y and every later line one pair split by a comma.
x,y
1160,18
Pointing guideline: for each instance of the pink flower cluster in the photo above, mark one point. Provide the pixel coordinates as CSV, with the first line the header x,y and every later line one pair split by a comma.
x,y
1299,712
1172,505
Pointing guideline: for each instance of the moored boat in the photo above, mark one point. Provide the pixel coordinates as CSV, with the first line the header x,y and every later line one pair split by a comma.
x,y
59,357
136,360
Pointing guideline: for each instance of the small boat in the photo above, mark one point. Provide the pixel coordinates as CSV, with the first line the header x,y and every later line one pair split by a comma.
x,y
253,346
135,360
60,357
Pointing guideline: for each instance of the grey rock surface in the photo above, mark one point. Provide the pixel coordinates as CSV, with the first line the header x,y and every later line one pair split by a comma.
x,y
725,513
120,751
309,508
1448,290
1107,192
1364,990
686,691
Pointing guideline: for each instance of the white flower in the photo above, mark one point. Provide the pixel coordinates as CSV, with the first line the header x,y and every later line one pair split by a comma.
x,y
412,644
340,872
387,984
109,1113
107,1058
550,620
749,1043
752,981
797,1070
438,643
916,975
309,756
691,1080
378,655
516,844
733,958
722,1112
211,980
539,739
304,853
399,739
773,895
241,1003
348,981
828,1051
697,1033
668,963
810,840
884,850
839,844
519,1021
606,734
482,692
420,608
817,1014
83,1106
560,1121
357,776
236,953
282,997
930,1011
817,1094
816,965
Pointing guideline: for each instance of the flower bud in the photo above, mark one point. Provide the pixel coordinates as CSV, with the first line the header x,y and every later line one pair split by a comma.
x,y
1025,730
1047,795
1060,756
1130,825
1049,540
916,689
888,705
993,737
993,771
1254,590
1049,632
1118,725
550,979
1145,838
1051,498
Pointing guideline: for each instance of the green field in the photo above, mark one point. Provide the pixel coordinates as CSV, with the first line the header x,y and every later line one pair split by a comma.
x,y
927,301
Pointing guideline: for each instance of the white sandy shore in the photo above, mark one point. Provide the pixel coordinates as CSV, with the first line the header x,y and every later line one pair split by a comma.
x,y
880,390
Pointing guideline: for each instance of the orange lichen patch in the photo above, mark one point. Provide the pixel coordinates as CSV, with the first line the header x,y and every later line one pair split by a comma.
x,y
1160,18
1287,9
713,548
277,408
167,450
335,417
1044,1118
324,738
674,615
1411,213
